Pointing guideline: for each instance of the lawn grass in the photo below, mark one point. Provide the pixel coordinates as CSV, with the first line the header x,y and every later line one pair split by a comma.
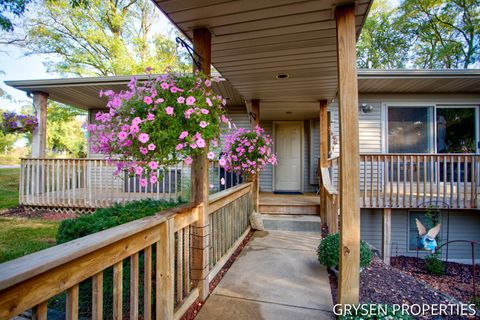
x,y
9,187
19,236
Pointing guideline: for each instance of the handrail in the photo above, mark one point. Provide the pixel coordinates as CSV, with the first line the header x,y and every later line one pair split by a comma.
x,y
326,182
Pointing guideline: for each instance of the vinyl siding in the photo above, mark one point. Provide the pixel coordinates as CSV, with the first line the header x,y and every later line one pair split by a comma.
x,y
463,225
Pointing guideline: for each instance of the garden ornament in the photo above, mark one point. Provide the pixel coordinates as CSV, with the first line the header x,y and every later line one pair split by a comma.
x,y
427,239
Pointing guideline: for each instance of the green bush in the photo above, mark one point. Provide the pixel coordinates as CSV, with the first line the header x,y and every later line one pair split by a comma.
x,y
434,265
110,217
376,314
328,252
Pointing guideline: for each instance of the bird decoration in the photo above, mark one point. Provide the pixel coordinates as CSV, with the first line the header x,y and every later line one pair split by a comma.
x,y
427,239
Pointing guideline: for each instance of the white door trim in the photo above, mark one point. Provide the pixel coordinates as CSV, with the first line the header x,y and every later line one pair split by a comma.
x,y
302,148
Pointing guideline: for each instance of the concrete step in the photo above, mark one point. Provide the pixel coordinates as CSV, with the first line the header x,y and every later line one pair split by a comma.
x,y
296,209
303,223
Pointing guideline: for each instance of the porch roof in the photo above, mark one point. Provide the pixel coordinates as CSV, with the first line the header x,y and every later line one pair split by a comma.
x,y
253,42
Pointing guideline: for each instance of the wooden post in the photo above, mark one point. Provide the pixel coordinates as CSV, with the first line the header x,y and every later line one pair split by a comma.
x,y
254,121
165,271
323,161
199,184
348,292
387,235
39,135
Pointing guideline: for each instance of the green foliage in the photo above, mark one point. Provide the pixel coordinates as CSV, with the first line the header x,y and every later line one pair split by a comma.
x,y
434,265
328,252
105,218
11,8
110,38
374,312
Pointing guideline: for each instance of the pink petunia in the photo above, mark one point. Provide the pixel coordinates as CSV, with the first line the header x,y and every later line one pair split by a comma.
x,y
211,155
122,135
203,124
222,162
150,117
143,182
143,150
164,85
148,100
190,101
143,137
183,135
208,83
209,102
224,119
204,111
153,165
200,143
136,121
181,100
179,147
188,160
169,111
151,147
138,171
222,181
173,89
159,100
153,179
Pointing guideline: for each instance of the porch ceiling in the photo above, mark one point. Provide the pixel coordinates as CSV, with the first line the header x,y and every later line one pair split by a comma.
x,y
254,41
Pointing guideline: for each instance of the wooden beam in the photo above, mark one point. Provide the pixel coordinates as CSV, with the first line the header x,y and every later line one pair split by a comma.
x,y
348,292
254,121
39,135
387,235
199,182
323,159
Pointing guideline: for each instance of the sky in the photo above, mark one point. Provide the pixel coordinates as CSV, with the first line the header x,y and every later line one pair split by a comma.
x,y
17,66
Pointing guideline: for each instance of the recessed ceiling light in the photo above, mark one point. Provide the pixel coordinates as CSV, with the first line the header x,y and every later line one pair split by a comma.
x,y
288,112
283,76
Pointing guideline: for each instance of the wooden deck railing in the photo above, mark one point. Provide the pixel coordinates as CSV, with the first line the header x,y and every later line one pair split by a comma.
x,y
414,180
90,183
150,256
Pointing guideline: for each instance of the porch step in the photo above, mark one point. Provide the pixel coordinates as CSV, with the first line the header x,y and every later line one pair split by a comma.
x,y
303,223
293,209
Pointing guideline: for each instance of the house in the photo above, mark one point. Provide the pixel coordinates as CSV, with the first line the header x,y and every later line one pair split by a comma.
x,y
294,64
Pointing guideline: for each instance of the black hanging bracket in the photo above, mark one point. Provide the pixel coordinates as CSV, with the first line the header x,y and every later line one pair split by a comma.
x,y
197,59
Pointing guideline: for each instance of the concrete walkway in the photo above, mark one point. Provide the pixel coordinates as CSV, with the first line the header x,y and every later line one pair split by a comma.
x,y
277,276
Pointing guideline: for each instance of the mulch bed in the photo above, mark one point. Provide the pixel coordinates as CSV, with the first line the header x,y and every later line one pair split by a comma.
x,y
380,283
457,281
195,308
44,214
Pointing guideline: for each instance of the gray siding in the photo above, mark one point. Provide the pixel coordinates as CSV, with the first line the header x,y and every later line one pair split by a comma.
x,y
464,225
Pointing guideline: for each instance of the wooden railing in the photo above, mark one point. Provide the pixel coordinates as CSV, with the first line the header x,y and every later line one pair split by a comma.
x,y
413,180
143,266
90,183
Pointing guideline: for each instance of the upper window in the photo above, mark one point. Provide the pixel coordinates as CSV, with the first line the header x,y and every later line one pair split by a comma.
x,y
410,130
456,130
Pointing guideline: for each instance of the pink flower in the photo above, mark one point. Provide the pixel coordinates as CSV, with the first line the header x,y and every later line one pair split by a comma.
x,y
211,155
203,124
151,147
200,143
153,179
173,89
179,147
209,102
181,100
153,165
222,162
159,100
138,171
122,135
143,138
190,101
188,160
150,117
208,83
164,85
188,113
136,121
193,145
134,129
169,111
148,100
204,111
183,135
222,181
143,182
224,119
143,150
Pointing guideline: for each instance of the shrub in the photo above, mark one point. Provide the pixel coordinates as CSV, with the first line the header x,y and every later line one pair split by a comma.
x,y
328,252
106,218
434,265
374,312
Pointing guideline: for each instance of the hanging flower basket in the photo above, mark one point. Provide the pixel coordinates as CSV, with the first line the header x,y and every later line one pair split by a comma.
x,y
159,122
18,123
247,151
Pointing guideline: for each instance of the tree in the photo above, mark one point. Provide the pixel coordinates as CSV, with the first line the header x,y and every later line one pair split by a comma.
x,y
15,8
113,37
382,43
446,32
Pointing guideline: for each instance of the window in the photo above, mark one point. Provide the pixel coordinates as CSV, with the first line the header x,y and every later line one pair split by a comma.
x,y
410,130
456,130
412,225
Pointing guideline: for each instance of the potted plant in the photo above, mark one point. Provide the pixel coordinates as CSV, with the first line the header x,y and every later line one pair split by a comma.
x,y
18,123
158,122
328,253
247,151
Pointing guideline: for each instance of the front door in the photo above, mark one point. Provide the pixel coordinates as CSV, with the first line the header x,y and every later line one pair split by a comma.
x,y
288,146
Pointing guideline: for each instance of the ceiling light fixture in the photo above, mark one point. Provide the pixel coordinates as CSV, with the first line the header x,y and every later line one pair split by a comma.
x,y
283,76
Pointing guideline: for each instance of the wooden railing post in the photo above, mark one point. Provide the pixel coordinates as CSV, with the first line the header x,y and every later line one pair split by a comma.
x,y
199,183
165,271
39,135
254,121
349,277
323,162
